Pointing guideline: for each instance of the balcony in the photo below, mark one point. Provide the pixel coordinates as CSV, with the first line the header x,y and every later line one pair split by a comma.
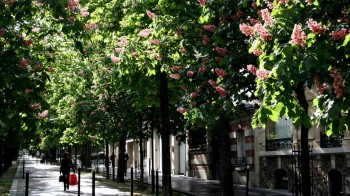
x,y
279,144
331,141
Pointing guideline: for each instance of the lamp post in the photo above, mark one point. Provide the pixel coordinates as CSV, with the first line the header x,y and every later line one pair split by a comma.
x,y
247,182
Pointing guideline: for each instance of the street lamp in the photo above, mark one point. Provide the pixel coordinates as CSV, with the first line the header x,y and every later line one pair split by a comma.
x,y
247,182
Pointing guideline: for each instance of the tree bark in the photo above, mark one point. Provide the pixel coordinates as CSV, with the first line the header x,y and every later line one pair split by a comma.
x,y
225,176
107,160
304,140
165,133
121,158
141,153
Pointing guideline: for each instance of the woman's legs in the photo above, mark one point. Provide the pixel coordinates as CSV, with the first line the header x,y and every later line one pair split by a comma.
x,y
66,181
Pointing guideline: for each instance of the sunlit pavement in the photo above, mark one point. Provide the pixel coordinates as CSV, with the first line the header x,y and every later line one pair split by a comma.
x,y
43,181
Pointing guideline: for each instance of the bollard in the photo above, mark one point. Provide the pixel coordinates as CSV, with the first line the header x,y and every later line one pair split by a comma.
x,y
113,173
157,194
78,181
27,184
247,183
153,181
132,181
93,183
23,167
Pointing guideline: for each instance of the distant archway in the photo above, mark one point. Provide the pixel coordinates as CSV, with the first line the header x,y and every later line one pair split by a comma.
x,y
335,183
281,179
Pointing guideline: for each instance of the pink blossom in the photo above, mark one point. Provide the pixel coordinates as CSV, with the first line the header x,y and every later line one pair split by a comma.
x,y
220,72
123,42
28,91
319,87
84,12
212,83
254,5
202,69
159,57
38,67
118,50
28,42
283,1
267,17
221,91
190,74
252,69
73,5
2,32
263,32
176,68
338,84
155,42
193,95
206,40
115,59
221,51
71,19
316,27
181,110
298,36
24,63
183,87
151,15
50,69
133,53
43,114
8,2
258,52
262,73
309,2
35,106
89,27
145,33
183,51
202,2
253,21
175,76
339,35
210,28
247,29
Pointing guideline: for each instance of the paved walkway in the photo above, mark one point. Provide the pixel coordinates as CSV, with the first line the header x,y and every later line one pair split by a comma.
x,y
43,181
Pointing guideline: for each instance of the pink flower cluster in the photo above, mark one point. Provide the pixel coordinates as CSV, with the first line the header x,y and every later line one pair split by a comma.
x,y
258,52
316,27
28,91
28,42
35,106
2,32
122,42
267,17
338,83
155,42
309,2
71,19
190,74
206,40
260,73
43,114
84,12
258,28
339,35
24,63
220,72
252,69
202,69
151,15
91,26
283,2
221,51
298,36
221,91
318,85
181,110
145,33
118,50
115,59
210,28
213,83
73,5
175,76
202,2
247,30
176,68
8,2
50,69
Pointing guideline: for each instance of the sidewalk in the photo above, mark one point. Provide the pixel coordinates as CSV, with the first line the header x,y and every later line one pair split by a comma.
x,y
43,181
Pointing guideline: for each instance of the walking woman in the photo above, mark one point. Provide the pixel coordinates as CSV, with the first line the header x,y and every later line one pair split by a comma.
x,y
66,164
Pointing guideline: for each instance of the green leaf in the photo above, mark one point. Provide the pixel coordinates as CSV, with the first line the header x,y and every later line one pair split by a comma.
x,y
347,39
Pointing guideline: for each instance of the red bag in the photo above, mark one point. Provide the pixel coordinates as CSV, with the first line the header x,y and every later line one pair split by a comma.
x,y
73,180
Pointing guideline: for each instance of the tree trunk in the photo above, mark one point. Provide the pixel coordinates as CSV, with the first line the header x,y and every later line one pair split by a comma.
x,y
121,158
107,160
304,140
226,179
165,133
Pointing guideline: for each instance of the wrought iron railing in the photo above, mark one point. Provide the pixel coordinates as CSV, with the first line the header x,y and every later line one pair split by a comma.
x,y
331,141
240,161
279,144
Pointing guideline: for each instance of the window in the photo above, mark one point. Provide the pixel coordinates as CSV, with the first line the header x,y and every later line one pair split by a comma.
x,y
283,128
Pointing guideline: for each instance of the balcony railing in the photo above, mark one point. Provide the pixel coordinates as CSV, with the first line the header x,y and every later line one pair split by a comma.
x,y
240,161
331,141
279,144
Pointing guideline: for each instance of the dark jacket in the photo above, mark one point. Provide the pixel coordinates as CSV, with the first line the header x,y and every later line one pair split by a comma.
x,y
66,164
